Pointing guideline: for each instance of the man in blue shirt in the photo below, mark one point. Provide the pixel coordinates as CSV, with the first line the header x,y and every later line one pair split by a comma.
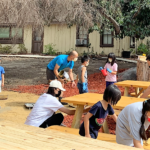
x,y
59,63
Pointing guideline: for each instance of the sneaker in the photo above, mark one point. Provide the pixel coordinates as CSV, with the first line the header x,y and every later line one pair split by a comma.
x,y
63,125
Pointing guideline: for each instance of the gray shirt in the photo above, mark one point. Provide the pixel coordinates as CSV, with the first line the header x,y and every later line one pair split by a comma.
x,y
80,73
129,123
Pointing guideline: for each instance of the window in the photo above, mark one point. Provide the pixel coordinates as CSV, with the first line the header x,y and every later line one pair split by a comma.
x,y
82,37
11,34
106,39
132,42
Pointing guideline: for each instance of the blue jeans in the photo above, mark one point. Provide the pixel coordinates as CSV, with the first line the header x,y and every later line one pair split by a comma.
x,y
109,83
80,87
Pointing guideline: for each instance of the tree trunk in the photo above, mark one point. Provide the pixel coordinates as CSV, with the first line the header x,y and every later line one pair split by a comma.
x,y
143,71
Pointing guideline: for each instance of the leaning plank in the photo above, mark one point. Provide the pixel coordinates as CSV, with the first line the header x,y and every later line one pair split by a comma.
x,y
37,138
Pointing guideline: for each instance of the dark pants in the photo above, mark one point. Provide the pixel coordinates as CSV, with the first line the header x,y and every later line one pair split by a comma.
x,y
109,83
50,74
80,87
56,119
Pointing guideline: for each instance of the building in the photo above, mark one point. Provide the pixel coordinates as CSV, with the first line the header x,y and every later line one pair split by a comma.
x,y
65,39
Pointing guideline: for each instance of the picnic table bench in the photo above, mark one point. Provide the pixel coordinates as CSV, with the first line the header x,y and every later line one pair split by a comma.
x,y
15,136
139,86
101,136
90,99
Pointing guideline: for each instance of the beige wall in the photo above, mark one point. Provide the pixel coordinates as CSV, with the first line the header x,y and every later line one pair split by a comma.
x,y
64,38
27,39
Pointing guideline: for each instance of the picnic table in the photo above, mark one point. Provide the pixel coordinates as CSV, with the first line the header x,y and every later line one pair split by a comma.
x,y
90,99
139,86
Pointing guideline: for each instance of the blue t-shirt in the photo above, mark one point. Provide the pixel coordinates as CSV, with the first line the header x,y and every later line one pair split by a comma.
x,y
97,120
2,71
61,61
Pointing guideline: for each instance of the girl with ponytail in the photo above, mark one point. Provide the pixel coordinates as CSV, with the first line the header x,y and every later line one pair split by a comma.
x,y
132,124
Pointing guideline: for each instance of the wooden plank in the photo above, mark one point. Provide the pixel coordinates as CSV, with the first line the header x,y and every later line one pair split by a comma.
x,y
131,83
77,116
101,136
42,139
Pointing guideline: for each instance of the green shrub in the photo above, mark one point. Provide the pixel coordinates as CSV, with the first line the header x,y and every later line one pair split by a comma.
x,y
50,50
142,49
22,49
5,49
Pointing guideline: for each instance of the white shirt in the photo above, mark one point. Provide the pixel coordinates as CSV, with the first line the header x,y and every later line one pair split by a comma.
x,y
44,108
129,123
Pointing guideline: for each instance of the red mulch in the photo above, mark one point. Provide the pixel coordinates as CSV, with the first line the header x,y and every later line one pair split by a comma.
x,y
96,84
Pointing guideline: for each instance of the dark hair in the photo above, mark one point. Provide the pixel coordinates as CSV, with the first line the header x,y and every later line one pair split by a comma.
x,y
146,108
112,94
51,91
111,55
84,58
148,58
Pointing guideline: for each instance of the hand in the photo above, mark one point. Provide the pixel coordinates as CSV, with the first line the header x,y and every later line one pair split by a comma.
x,y
101,68
109,70
2,84
88,135
84,86
73,84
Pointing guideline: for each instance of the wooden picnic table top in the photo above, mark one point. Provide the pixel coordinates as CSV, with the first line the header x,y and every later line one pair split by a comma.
x,y
15,136
129,83
92,98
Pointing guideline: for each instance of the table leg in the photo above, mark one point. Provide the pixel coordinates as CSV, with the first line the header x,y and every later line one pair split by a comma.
x,y
77,116
105,128
138,92
126,91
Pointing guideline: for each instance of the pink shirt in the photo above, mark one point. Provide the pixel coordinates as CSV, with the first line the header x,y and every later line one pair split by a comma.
x,y
111,77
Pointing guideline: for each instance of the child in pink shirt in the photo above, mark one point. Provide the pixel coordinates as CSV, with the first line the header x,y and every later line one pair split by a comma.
x,y
111,68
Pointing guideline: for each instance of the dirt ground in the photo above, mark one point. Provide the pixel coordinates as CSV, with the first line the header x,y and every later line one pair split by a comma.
x,y
32,71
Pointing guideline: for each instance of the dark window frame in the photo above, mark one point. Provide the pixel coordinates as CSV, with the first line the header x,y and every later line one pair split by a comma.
x,y
10,39
77,37
106,45
131,46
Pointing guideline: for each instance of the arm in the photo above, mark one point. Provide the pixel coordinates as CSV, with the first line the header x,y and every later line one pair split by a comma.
x,y
114,72
70,74
86,110
137,144
86,124
115,68
71,77
82,75
56,73
146,93
2,79
114,116
67,111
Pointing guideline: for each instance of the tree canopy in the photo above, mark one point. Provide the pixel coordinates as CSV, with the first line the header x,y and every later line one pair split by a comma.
x,y
125,17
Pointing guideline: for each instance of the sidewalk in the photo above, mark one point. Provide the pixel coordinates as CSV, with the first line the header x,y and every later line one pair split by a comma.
x,y
27,56
39,56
